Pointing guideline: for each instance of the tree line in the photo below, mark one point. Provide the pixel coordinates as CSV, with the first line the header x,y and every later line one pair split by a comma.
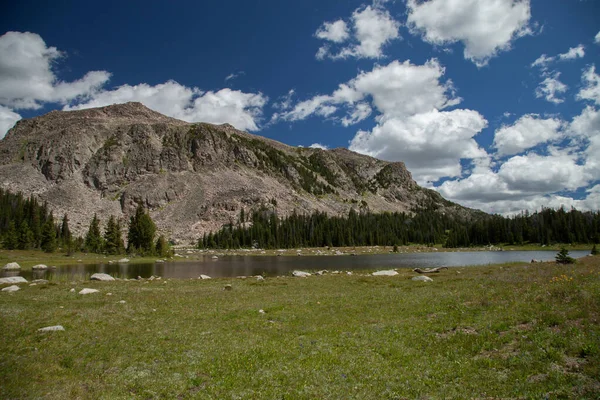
x,y
26,224
265,229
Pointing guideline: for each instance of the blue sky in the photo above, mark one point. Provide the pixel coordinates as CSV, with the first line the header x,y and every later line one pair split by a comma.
x,y
494,103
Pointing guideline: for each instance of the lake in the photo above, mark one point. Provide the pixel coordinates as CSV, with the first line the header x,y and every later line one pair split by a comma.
x,y
232,266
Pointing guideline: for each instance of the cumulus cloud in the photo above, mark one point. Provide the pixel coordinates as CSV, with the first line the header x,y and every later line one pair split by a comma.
x,y
372,28
591,85
527,132
430,143
318,146
550,88
8,118
532,180
242,110
27,79
573,53
336,32
597,38
484,27
397,90
360,112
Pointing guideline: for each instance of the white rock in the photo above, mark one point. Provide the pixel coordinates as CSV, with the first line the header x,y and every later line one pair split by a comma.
x,y
72,290
214,257
259,278
300,274
12,288
98,276
160,261
40,266
109,294
11,266
261,311
88,291
52,328
322,272
390,272
13,279
122,302
204,276
349,273
422,278
40,281
123,260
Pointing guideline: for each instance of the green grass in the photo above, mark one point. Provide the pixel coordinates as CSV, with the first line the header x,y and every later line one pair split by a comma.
x,y
511,331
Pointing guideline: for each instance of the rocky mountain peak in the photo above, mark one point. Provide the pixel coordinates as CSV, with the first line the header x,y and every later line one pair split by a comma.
x,y
192,177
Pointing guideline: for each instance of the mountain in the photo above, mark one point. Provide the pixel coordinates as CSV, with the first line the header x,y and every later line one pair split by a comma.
x,y
193,177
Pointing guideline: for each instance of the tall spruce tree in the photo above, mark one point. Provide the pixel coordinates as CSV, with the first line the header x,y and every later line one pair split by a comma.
x,y
48,235
140,237
93,239
113,241
26,240
11,237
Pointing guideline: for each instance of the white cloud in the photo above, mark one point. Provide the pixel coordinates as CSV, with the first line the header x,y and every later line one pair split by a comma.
x,y
397,90
532,180
431,143
550,88
8,118
573,53
234,75
372,28
336,32
591,88
285,102
484,27
360,112
318,146
242,110
543,61
527,132
597,38
27,78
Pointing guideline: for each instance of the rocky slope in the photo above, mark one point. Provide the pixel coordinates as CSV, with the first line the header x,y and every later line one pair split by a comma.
x,y
193,177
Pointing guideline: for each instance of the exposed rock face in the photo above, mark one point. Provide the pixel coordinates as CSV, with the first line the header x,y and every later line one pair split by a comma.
x,y
192,177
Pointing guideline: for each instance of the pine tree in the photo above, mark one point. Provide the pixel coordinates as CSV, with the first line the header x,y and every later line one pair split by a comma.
x,y
113,242
141,232
26,240
11,237
162,247
48,235
563,257
93,239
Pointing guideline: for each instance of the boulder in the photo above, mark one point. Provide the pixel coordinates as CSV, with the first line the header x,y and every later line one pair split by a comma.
x,y
40,267
101,277
204,276
40,281
322,272
123,260
259,278
12,288
422,278
300,274
11,266
52,328
13,279
88,291
390,272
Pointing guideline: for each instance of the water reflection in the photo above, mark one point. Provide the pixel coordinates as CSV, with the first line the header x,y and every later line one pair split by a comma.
x,y
274,266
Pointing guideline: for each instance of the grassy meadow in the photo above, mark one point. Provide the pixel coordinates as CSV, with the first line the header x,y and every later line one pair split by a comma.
x,y
509,331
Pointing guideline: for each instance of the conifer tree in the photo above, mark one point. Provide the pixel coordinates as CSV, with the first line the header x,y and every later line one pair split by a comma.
x,y
162,247
93,239
26,239
141,232
113,241
11,237
48,235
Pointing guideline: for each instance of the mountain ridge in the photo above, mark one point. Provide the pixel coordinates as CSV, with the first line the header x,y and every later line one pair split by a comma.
x,y
193,177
